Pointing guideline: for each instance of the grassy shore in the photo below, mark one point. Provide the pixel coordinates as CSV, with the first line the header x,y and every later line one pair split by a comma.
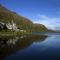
x,y
12,33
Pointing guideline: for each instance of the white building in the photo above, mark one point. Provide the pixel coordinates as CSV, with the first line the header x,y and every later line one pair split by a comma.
x,y
11,26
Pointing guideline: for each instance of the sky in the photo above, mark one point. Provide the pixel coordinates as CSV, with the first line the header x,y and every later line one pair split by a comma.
x,y
45,12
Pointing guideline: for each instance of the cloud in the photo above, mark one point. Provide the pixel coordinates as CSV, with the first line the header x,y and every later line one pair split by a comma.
x,y
42,16
51,23
58,12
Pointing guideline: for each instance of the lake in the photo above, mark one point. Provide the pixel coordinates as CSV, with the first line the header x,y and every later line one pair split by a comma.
x,y
30,47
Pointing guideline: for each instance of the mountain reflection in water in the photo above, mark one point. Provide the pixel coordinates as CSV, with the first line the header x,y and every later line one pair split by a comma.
x,y
9,45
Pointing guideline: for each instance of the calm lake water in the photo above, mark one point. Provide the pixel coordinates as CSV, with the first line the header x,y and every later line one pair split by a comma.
x,y
31,47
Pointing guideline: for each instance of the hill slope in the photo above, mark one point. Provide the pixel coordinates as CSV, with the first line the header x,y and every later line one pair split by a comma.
x,y
22,22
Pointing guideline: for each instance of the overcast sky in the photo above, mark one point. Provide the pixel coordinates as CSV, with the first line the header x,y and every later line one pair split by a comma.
x,y
46,12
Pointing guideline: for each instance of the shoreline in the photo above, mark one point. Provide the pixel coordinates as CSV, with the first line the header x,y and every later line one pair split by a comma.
x,y
13,33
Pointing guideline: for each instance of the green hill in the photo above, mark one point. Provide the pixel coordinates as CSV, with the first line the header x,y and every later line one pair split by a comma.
x,y
39,28
22,22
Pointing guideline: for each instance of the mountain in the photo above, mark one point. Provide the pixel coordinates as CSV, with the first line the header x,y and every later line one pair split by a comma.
x,y
21,22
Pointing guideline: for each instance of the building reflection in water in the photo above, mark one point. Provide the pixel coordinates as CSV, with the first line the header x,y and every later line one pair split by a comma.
x,y
9,45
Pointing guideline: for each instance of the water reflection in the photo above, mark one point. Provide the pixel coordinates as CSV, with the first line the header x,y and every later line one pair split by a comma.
x,y
9,45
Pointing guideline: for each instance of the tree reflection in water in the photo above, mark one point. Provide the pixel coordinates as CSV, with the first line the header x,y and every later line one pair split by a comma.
x,y
9,45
